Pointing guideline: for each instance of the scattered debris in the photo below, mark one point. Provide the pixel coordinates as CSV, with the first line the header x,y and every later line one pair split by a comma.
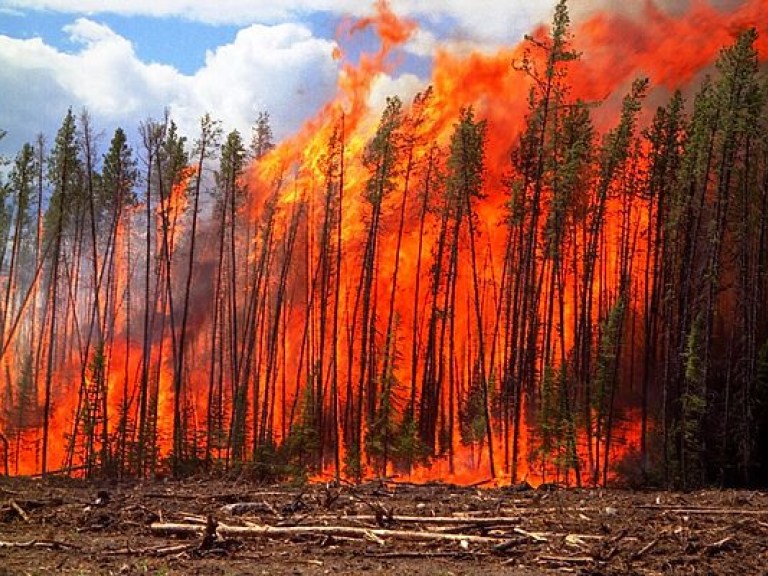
x,y
57,526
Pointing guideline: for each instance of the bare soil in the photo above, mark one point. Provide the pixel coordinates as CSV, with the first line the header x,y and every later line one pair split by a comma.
x,y
61,526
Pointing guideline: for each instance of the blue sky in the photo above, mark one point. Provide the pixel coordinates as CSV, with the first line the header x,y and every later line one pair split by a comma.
x,y
180,43
127,61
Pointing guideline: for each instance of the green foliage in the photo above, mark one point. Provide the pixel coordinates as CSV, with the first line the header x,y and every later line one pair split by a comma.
x,y
382,428
616,144
665,136
569,171
738,92
303,442
610,337
472,421
93,415
353,463
232,162
380,155
173,157
262,138
20,190
409,449
208,140
554,423
556,48
21,410
22,183
466,162
118,177
64,174
385,440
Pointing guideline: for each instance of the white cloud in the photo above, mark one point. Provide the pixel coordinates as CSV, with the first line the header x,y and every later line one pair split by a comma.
x,y
486,20
241,12
406,86
283,69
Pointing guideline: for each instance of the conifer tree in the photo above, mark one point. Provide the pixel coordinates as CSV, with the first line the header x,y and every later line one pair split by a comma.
x,y
64,175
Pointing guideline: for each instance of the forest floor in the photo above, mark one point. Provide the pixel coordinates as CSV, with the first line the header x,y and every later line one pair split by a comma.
x,y
60,526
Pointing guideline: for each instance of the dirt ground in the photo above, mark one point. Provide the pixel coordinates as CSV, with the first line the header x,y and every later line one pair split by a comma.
x,y
60,526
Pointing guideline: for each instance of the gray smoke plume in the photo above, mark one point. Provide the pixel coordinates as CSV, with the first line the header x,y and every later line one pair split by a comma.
x,y
584,8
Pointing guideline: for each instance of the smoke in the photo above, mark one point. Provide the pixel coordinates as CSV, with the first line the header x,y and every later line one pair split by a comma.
x,y
583,9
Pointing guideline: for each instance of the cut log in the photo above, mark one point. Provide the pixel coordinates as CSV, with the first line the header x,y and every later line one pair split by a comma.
x,y
18,509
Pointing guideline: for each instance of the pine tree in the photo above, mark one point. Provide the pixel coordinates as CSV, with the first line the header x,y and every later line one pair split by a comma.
x,y
465,178
116,197
381,159
64,175
229,198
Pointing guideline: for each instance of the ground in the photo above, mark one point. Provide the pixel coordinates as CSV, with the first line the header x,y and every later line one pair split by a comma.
x,y
62,526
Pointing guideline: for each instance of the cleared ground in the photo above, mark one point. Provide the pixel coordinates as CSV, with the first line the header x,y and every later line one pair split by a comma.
x,y
63,526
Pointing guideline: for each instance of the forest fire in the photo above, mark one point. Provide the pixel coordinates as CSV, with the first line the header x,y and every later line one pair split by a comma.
x,y
543,267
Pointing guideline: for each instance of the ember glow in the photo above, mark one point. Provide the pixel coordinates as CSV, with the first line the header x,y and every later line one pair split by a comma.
x,y
454,288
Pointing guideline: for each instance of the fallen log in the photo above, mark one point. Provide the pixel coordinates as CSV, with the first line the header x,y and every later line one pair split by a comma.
x,y
157,551
435,520
240,508
535,536
565,560
425,554
223,530
48,544
703,510
18,509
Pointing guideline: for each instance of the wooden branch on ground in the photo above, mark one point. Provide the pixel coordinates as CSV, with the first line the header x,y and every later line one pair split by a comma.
x,y
534,509
158,551
565,560
49,544
702,510
434,520
722,544
171,529
535,536
18,509
239,508
644,549
425,554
